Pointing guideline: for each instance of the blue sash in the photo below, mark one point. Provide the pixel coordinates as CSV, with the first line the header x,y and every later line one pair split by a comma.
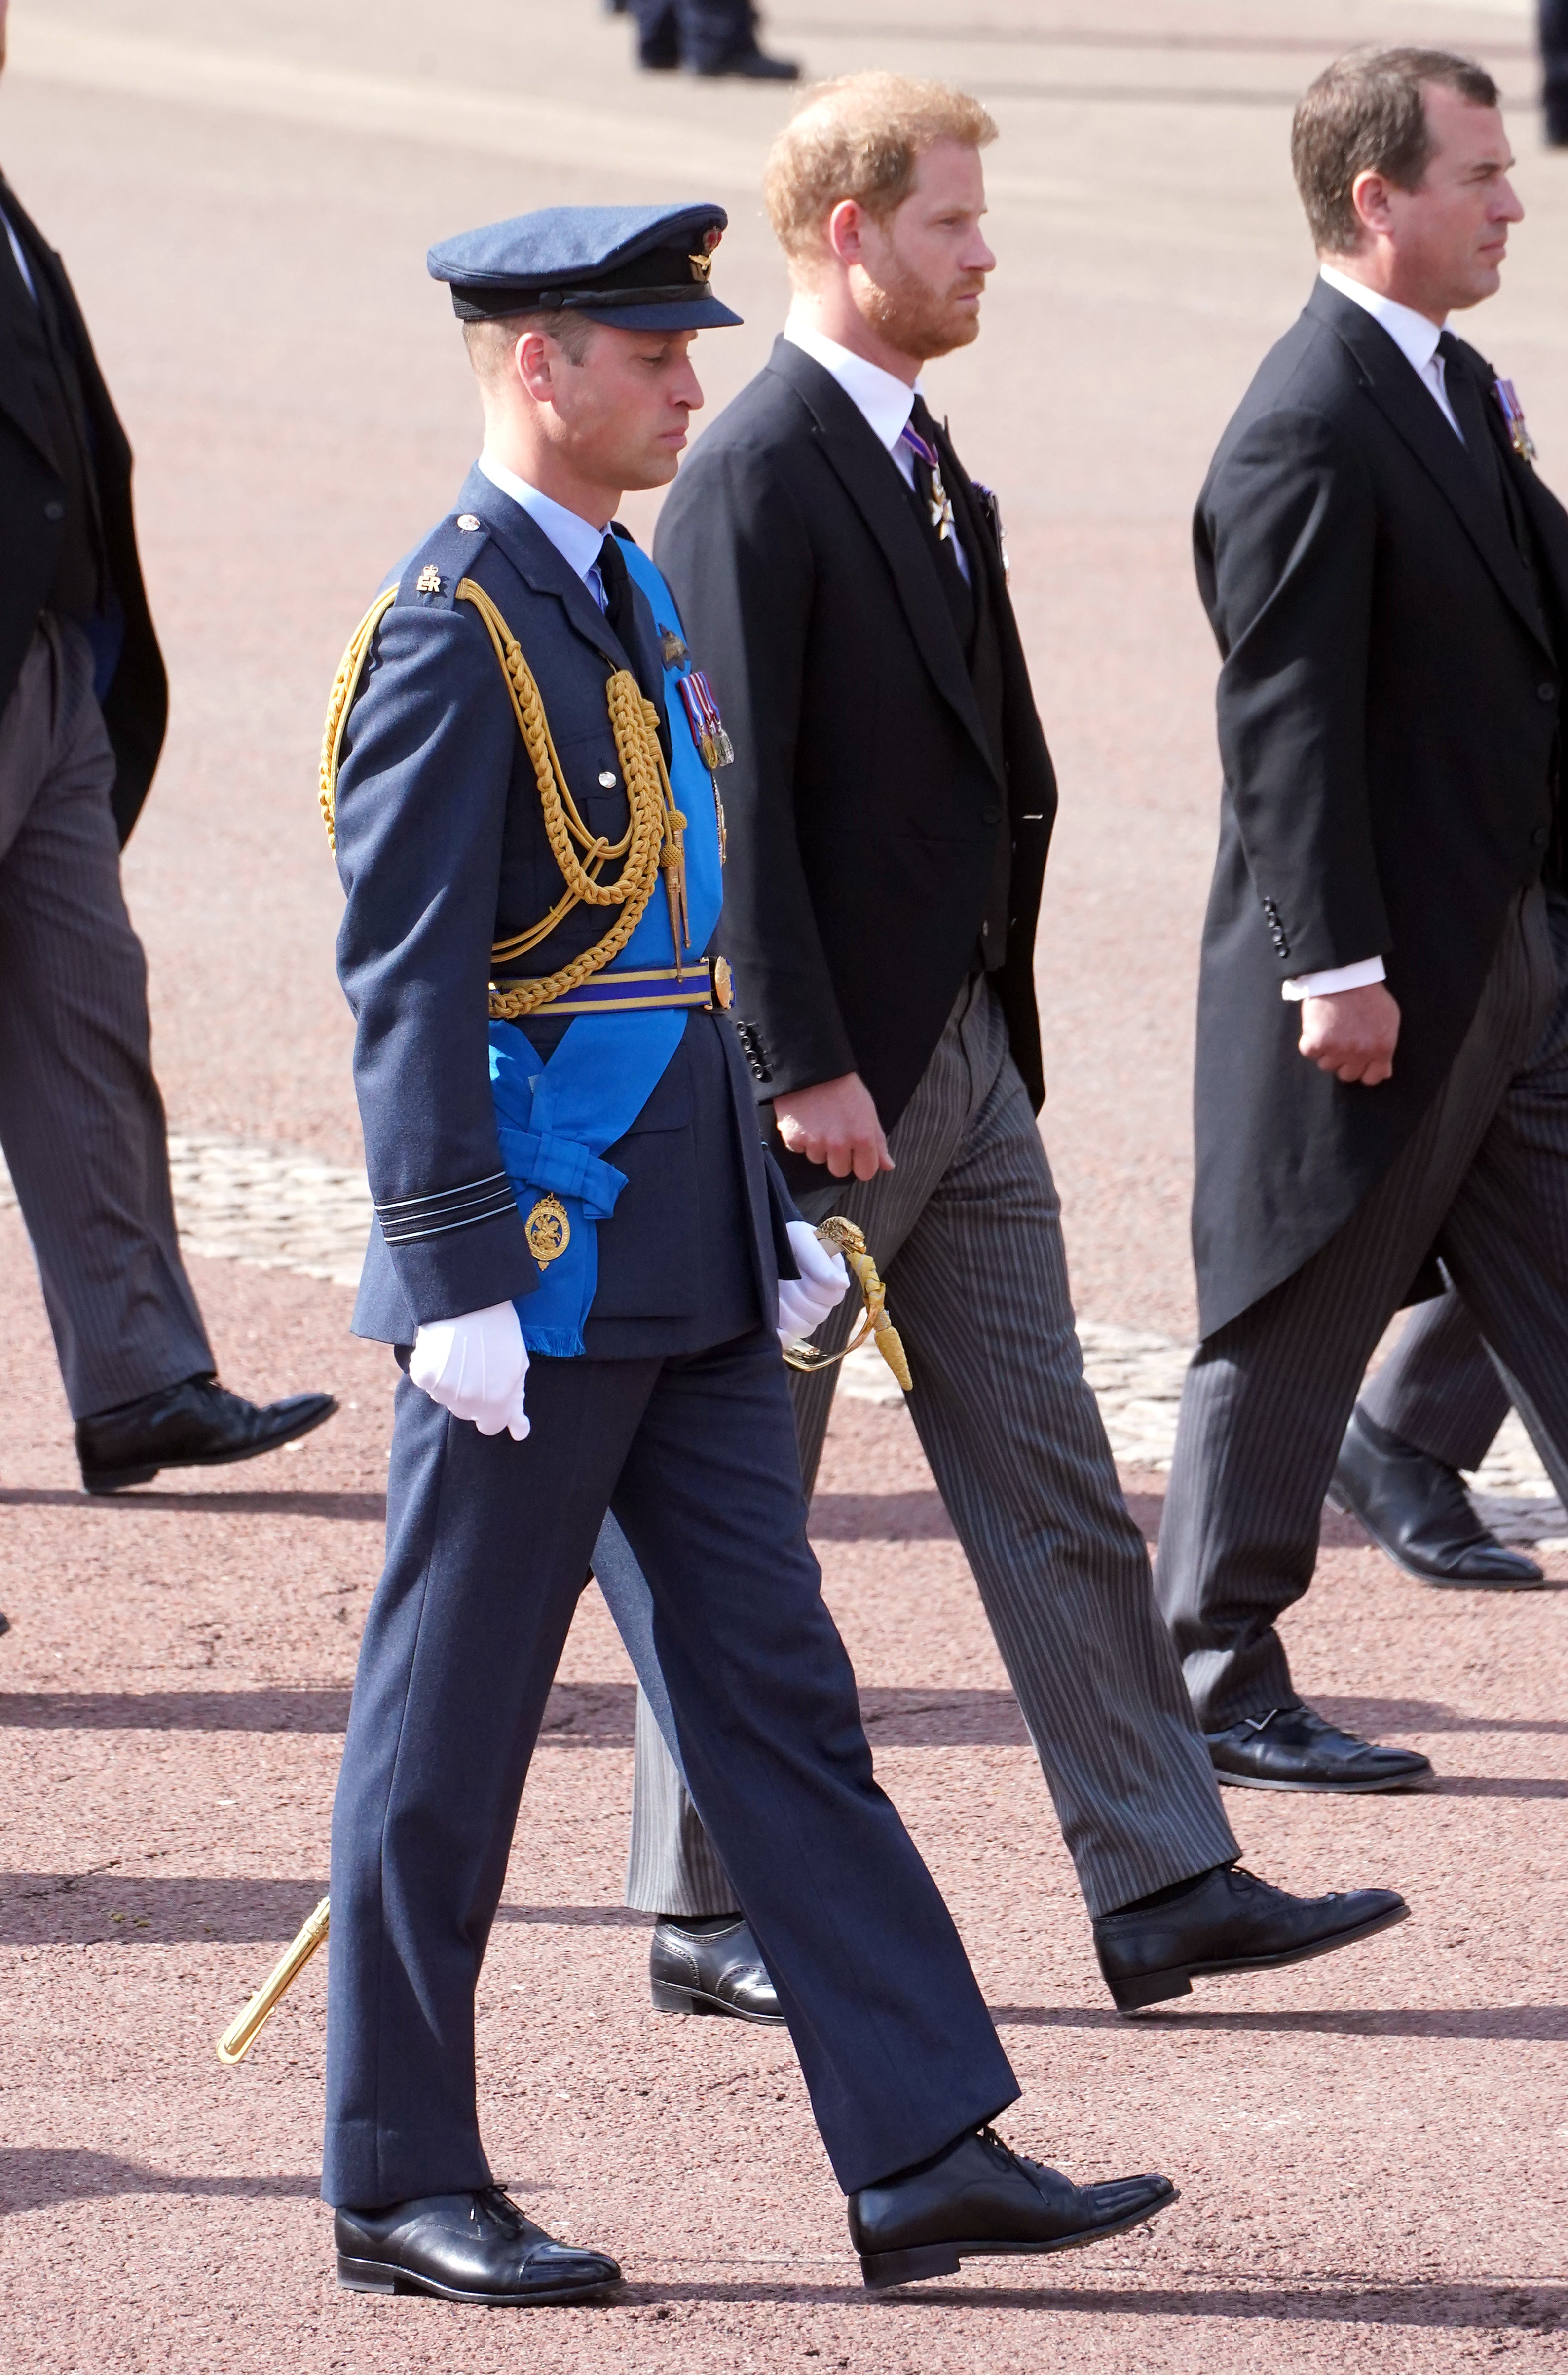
x,y
556,1120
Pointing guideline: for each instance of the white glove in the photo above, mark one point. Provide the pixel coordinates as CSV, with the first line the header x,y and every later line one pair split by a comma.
x,y
804,1302
475,1368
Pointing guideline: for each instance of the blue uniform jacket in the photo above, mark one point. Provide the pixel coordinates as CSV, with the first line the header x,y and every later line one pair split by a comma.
x,y
441,851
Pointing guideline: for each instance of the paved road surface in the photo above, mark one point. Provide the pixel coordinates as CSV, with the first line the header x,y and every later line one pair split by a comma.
x,y
1370,2148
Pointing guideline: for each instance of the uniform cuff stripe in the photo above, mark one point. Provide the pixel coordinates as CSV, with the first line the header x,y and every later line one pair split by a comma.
x,y
407,1232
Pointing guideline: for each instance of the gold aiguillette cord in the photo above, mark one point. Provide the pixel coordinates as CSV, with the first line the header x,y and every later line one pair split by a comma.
x,y
846,1239
242,2032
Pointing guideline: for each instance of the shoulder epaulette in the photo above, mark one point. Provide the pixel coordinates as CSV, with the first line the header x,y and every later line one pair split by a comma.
x,y
433,571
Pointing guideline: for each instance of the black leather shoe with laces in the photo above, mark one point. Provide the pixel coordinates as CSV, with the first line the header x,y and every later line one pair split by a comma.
x,y
464,2247
976,2199
1420,1515
1228,1921
197,1423
712,1966
1295,1748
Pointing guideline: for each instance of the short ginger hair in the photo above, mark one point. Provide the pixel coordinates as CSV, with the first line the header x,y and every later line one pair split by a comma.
x,y
861,136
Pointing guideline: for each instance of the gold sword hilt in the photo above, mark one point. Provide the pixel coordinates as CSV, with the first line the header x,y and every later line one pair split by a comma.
x,y
242,2031
846,1239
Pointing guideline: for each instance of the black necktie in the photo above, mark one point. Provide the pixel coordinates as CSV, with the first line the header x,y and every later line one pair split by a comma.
x,y
955,585
615,579
1468,407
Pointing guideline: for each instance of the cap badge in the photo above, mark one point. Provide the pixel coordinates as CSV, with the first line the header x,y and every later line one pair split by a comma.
x,y
429,580
701,267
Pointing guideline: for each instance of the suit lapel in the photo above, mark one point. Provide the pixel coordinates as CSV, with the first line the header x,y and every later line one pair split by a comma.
x,y
870,479
18,394
1409,409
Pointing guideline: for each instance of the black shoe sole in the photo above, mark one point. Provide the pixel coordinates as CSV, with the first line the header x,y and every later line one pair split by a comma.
x,y
1339,1500
1159,1987
880,2268
115,1480
374,2277
1404,1781
667,1997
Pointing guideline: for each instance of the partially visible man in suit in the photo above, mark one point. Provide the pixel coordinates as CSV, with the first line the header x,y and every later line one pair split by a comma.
x,y
1383,1020
710,38
1552,18
82,706
890,807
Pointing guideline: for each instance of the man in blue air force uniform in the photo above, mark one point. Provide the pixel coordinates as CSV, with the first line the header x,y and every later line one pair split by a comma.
x,y
578,1251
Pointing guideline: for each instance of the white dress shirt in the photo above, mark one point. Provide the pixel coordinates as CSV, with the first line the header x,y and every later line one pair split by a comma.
x,y
577,540
1416,338
883,401
1412,333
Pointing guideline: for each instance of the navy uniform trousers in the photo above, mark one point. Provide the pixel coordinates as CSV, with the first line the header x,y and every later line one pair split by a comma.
x,y
488,1542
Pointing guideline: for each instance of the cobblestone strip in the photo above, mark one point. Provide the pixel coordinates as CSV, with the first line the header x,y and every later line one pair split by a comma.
x,y
285,1210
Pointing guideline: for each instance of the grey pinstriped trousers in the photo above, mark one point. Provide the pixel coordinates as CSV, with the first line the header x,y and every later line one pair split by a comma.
x,y
966,1231
1439,1388
81,1121
1484,1184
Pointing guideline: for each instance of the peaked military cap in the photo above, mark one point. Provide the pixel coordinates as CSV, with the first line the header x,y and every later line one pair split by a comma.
x,y
638,267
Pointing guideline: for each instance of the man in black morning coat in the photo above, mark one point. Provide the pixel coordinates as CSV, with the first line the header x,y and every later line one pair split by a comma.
x,y
83,703
1386,577
890,807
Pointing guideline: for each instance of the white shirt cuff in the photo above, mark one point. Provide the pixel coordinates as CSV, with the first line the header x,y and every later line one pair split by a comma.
x,y
1335,977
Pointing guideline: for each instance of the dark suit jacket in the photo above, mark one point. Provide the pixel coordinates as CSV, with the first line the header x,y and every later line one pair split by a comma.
x,y
441,851
1390,705
136,706
865,802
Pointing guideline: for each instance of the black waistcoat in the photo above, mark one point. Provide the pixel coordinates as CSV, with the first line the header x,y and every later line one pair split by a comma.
x,y
975,619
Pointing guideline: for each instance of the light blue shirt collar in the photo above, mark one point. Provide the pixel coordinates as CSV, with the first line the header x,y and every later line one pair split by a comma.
x,y
577,540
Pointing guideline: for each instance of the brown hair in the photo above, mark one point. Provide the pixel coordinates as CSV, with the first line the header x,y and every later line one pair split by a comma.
x,y
492,345
1366,113
860,137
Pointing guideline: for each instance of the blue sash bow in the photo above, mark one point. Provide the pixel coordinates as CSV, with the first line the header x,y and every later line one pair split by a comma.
x,y
556,1120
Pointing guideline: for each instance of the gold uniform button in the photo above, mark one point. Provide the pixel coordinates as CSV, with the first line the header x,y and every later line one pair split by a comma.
x,y
606,778
468,520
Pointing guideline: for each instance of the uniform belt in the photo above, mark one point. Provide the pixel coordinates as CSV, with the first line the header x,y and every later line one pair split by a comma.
x,y
704,984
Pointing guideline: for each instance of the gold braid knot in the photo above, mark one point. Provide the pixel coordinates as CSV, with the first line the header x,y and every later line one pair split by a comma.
x,y
650,846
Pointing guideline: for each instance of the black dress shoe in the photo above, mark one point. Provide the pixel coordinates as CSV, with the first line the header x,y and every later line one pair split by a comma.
x,y
464,2247
1228,1921
711,1964
1294,1748
1418,1513
193,1425
977,2198
754,66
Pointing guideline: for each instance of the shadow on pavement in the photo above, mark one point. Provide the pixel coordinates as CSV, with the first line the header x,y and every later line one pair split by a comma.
x,y
360,1506
31,2175
1496,2308
590,1715
1528,2023
108,1909
1370,1716
917,1517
